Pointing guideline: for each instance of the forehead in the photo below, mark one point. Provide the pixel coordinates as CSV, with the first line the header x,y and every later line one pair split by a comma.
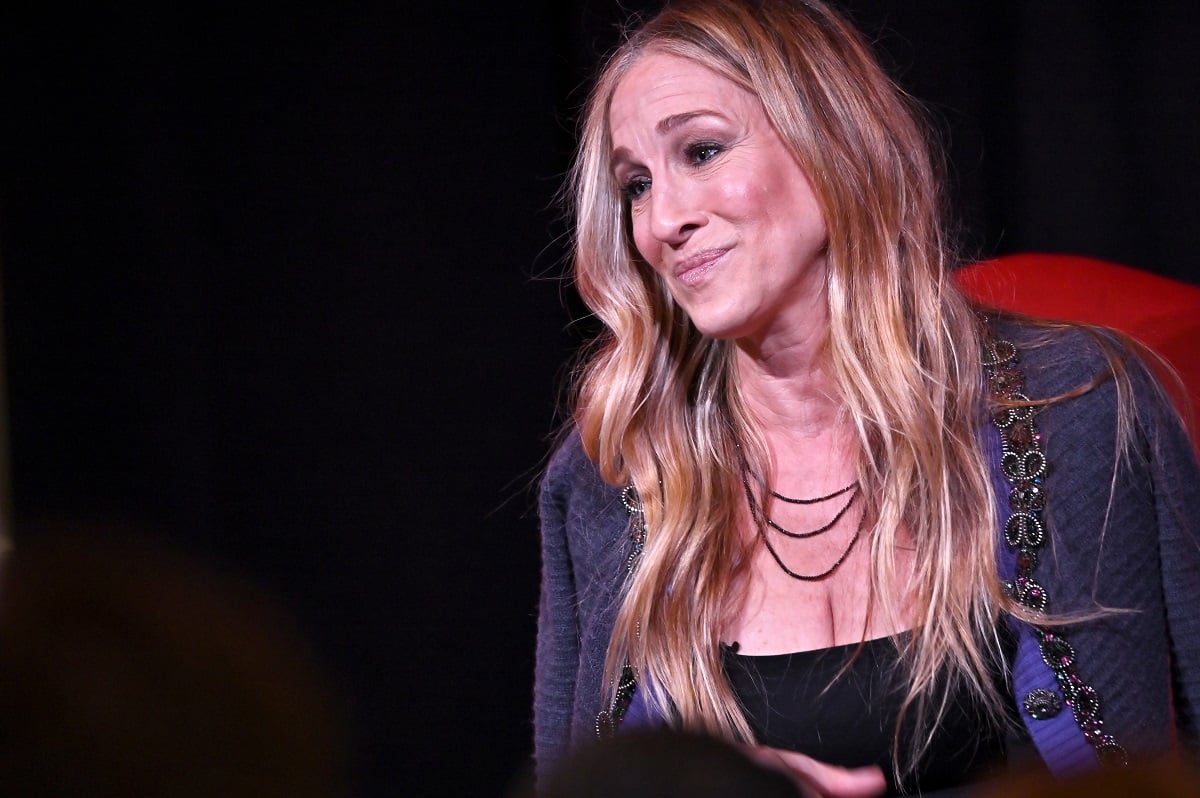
x,y
659,86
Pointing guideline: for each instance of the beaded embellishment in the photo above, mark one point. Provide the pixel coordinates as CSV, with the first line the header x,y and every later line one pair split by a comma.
x,y
1042,704
637,526
607,720
1024,465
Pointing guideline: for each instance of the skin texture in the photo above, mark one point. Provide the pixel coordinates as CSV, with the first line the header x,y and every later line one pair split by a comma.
x,y
724,213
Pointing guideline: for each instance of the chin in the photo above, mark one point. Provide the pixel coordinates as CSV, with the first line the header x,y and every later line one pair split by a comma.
x,y
722,323
719,331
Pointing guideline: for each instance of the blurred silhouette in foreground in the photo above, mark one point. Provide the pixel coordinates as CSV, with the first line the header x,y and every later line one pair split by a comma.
x,y
660,764
127,669
669,764
1165,778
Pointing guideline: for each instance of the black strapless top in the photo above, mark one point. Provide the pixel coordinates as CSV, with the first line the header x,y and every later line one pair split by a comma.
x,y
799,702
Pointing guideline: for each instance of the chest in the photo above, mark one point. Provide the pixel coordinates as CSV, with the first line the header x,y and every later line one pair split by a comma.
x,y
810,593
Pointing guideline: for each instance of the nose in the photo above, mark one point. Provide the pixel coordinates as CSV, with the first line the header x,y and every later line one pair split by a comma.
x,y
674,213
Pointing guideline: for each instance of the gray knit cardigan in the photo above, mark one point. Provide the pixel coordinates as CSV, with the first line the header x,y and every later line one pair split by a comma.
x,y
1129,542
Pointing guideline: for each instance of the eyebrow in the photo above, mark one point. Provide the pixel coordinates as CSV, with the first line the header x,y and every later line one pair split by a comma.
x,y
664,126
669,123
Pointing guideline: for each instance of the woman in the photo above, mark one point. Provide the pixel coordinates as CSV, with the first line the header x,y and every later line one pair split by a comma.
x,y
808,503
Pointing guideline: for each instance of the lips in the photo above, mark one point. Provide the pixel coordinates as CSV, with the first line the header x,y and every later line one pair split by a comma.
x,y
693,269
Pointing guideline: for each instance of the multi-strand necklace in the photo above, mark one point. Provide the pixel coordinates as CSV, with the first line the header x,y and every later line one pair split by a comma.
x,y
763,522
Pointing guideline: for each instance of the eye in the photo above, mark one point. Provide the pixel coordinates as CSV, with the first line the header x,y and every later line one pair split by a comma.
x,y
636,187
702,152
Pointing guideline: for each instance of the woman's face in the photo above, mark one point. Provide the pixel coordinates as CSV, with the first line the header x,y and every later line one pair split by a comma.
x,y
719,207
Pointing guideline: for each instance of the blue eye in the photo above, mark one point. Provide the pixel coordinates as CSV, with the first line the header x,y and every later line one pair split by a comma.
x,y
636,187
703,152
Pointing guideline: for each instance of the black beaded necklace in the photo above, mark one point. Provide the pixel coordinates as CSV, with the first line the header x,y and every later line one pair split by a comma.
x,y
754,506
819,499
763,521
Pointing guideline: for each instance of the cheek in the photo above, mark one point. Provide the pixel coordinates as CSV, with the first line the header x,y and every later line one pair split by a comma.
x,y
643,241
743,200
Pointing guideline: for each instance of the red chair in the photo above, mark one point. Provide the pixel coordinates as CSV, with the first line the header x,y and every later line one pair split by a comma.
x,y
1162,313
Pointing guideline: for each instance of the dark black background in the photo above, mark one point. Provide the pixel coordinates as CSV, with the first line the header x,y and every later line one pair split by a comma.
x,y
283,287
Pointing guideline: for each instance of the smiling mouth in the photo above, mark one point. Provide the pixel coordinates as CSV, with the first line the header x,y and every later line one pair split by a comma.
x,y
692,270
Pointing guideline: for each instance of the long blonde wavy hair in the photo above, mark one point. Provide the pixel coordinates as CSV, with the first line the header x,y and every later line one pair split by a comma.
x,y
658,406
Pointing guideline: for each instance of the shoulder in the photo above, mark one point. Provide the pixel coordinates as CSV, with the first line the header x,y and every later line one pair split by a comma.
x,y
1104,420
569,456
570,468
1113,443
1093,374
584,524
572,486
1064,358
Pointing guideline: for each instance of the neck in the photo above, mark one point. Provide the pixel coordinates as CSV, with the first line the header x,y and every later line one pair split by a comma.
x,y
810,438
786,387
